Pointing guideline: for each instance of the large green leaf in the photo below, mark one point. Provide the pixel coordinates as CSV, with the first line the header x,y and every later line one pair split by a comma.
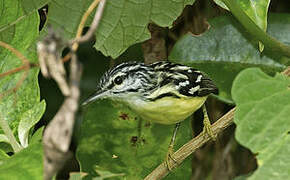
x,y
106,141
123,24
21,35
27,164
263,121
225,49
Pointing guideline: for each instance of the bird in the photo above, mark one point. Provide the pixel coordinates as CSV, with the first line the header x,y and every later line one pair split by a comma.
x,y
162,92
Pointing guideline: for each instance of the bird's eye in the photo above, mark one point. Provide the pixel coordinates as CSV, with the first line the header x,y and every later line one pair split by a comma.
x,y
118,80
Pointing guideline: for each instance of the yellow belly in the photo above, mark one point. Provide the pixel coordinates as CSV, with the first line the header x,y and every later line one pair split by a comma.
x,y
168,110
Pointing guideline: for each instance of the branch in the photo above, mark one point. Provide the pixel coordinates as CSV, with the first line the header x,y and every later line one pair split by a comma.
x,y
57,135
94,24
188,148
80,39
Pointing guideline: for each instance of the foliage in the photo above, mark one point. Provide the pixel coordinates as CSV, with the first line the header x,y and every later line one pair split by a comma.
x,y
112,130
27,164
108,141
21,109
263,121
215,52
123,24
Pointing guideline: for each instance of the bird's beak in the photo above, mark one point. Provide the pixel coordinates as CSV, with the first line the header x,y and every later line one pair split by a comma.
x,y
100,94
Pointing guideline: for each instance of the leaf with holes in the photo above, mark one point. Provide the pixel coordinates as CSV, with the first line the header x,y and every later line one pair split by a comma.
x,y
123,24
263,121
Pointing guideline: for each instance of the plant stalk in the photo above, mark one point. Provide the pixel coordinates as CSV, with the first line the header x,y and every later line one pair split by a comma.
x,y
269,42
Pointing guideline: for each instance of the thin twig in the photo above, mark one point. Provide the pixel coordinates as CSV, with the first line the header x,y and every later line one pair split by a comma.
x,y
83,22
188,148
94,24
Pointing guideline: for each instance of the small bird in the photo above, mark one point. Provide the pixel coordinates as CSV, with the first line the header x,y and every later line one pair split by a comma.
x,y
162,92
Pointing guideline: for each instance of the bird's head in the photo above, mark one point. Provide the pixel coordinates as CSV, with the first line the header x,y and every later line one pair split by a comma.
x,y
122,82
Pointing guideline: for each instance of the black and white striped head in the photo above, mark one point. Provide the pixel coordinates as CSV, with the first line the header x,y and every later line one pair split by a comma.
x,y
152,82
123,80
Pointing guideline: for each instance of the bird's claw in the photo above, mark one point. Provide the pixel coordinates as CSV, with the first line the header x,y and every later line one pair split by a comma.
x,y
169,158
208,131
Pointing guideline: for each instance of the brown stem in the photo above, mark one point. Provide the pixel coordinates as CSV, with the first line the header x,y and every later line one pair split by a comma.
x,y
83,22
94,24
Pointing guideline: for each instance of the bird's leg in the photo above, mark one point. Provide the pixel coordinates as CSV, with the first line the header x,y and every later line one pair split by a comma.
x,y
206,124
170,151
139,129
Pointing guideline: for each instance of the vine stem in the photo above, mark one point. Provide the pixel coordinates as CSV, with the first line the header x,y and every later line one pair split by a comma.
x,y
79,38
9,134
269,42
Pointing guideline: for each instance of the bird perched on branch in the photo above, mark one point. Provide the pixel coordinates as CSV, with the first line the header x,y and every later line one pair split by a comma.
x,y
162,92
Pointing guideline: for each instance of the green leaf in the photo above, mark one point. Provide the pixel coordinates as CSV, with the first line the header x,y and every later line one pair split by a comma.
x,y
106,141
32,5
226,49
77,175
263,121
22,36
26,164
3,156
221,4
28,120
243,177
123,23
105,174
37,136
3,138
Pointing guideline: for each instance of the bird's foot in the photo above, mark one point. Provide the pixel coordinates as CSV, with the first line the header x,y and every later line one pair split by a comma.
x,y
207,130
170,158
